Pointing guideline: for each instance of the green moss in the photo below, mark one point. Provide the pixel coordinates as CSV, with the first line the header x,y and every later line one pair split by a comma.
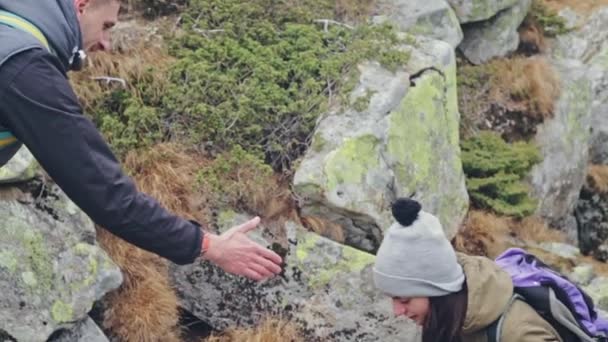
x,y
62,312
318,142
351,163
362,102
552,23
264,80
495,170
225,219
233,176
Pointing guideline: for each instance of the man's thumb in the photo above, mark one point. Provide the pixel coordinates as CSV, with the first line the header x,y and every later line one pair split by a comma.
x,y
248,226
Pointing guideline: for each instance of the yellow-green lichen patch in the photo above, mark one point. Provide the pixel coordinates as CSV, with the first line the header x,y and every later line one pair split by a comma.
x,y
306,244
352,161
8,261
352,261
62,312
413,125
38,259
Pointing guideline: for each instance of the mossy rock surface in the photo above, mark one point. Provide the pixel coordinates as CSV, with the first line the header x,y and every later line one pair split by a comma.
x,y
51,271
326,289
405,143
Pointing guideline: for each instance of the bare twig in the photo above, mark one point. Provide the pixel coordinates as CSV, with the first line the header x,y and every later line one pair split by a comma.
x,y
327,22
109,80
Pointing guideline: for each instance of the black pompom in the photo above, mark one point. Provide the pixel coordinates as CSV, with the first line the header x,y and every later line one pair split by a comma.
x,y
406,211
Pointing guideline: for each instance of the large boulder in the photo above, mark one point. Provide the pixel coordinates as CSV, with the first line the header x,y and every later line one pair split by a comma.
x,y
599,139
564,141
496,37
402,142
430,18
21,167
587,42
598,71
326,289
51,270
589,45
478,10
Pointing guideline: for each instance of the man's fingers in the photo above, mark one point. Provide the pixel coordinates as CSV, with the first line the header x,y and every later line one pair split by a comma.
x,y
253,275
267,264
248,226
270,255
261,270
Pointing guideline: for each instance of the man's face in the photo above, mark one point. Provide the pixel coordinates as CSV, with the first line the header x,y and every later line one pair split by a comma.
x,y
97,17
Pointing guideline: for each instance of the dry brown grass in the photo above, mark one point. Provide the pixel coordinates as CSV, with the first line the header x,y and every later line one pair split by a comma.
x,y
597,178
510,96
529,85
486,234
354,10
324,228
141,66
482,233
168,173
145,307
531,37
534,229
272,330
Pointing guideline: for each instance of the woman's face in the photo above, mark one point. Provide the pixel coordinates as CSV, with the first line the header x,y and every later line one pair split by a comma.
x,y
414,308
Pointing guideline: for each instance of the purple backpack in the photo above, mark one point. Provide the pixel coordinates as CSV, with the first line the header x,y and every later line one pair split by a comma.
x,y
558,300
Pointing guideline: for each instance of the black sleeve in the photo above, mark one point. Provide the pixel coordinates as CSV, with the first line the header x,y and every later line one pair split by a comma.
x,y
39,106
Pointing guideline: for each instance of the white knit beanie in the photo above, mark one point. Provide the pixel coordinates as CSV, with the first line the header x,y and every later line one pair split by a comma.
x,y
415,258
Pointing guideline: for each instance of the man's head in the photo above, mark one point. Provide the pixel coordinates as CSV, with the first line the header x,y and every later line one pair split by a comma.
x,y
96,17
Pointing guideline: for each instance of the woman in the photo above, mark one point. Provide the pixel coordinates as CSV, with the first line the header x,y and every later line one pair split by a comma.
x,y
454,297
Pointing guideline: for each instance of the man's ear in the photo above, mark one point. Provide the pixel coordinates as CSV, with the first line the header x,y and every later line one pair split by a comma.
x,y
80,5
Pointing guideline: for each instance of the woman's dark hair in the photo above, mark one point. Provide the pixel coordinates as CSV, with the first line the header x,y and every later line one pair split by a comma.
x,y
446,317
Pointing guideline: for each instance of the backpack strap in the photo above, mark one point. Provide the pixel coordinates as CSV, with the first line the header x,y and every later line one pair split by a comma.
x,y
493,330
9,19
563,316
15,21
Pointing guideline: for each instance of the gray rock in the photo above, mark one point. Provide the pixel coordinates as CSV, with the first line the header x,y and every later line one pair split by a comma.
x,y
84,331
21,167
564,141
326,288
405,143
598,291
598,74
582,274
430,18
561,249
587,42
51,271
477,10
571,17
496,37
592,217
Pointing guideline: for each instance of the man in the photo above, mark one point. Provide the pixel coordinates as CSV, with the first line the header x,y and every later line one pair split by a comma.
x,y
40,41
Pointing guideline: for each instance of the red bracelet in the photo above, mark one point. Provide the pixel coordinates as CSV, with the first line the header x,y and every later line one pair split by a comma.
x,y
206,243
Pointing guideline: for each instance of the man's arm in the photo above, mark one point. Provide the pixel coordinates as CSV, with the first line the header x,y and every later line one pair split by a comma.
x,y
40,108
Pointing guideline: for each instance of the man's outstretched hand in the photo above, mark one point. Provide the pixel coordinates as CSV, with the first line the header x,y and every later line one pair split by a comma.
x,y
236,253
